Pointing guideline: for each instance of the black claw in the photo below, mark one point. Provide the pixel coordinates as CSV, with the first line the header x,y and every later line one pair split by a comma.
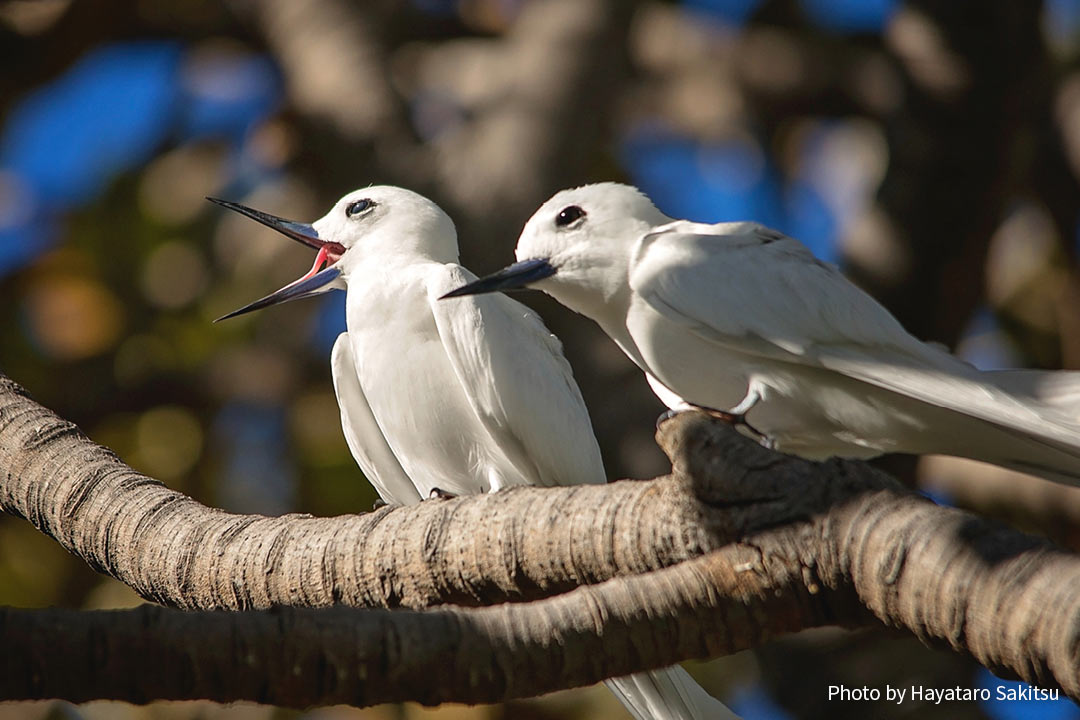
x,y
440,494
725,416
739,423
665,416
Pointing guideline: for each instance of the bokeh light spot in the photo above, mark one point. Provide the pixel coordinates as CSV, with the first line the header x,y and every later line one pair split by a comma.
x,y
734,12
139,358
168,440
32,17
174,275
316,425
174,185
850,16
107,113
71,318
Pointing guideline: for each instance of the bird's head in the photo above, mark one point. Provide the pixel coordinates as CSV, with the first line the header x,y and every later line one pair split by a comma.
x,y
579,239
373,222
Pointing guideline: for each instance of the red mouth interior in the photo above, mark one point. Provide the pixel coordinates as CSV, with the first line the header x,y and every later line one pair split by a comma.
x,y
328,254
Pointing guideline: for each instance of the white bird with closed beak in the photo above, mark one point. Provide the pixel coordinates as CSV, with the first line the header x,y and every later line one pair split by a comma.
x,y
441,398
745,321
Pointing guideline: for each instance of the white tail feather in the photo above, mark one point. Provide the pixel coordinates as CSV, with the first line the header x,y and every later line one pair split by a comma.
x,y
668,694
1057,390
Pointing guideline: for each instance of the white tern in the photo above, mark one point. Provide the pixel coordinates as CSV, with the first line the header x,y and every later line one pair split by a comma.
x,y
742,319
462,398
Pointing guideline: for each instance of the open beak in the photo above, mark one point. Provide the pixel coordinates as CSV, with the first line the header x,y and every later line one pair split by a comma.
x,y
514,277
315,281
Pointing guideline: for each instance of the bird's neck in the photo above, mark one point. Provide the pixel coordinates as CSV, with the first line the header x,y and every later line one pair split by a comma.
x,y
596,287
384,298
404,260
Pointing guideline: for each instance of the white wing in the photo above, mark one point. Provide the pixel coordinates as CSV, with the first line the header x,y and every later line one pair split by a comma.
x,y
362,433
521,386
756,291
518,382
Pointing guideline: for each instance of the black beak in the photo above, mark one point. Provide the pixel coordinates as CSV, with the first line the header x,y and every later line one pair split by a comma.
x,y
317,280
313,283
301,232
515,277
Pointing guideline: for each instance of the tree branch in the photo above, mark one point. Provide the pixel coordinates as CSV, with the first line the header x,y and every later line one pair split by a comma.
x,y
790,543
173,550
300,657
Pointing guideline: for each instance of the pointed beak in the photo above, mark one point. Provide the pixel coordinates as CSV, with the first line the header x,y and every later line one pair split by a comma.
x,y
313,283
301,232
317,280
515,277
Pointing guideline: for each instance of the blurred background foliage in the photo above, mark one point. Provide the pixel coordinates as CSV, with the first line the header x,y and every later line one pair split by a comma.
x,y
930,148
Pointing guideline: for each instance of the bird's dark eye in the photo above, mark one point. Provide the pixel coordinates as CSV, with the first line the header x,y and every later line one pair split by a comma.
x,y
360,206
568,215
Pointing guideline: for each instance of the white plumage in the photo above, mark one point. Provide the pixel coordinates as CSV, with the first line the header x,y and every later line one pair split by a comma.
x,y
738,317
467,397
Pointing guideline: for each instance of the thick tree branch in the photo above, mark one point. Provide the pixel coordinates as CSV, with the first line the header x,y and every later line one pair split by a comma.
x,y
173,550
792,544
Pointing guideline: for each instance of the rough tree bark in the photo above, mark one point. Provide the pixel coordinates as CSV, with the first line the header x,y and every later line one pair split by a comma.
x,y
300,657
760,544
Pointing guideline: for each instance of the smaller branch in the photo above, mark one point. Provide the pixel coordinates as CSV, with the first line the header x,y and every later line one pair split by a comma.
x,y
1025,502
299,657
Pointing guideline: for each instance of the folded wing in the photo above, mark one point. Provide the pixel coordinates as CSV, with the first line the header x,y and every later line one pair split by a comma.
x,y
756,291
518,382
362,433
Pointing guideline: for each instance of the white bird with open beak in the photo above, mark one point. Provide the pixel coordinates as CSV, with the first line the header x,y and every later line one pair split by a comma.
x,y
450,398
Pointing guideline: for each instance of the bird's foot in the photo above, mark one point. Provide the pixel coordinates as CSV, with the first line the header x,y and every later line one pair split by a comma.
x,y
440,494
738,421
379,503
